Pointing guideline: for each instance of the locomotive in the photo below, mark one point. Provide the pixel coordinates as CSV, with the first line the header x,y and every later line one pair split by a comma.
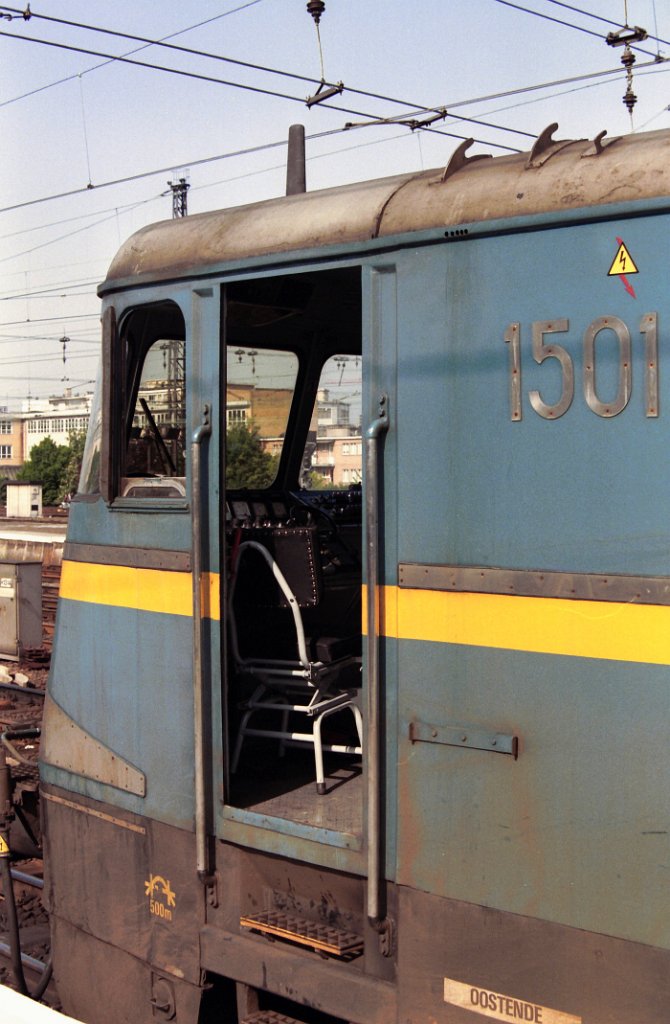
x,y
358,704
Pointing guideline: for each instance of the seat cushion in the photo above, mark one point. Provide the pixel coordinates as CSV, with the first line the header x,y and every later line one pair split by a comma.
x,y
331,648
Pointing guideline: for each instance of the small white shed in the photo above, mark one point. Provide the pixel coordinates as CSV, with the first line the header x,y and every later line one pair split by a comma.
x,y
24,500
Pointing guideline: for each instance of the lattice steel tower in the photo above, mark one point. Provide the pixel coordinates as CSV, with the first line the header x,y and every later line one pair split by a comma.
x,y
179,193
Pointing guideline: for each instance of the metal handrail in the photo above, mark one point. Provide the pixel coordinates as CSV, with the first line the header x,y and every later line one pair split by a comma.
x,y
202,857
375,430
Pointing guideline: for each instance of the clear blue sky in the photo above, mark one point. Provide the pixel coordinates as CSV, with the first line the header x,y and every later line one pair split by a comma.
x,y
65,121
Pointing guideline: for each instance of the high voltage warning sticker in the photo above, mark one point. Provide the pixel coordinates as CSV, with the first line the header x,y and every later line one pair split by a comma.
x,y
622,265
4,848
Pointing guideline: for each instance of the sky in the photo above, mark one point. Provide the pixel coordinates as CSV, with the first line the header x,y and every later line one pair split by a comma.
x,y
88,144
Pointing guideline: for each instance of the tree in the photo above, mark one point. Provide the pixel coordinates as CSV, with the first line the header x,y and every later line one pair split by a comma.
x,y
247,465
55,466
76,444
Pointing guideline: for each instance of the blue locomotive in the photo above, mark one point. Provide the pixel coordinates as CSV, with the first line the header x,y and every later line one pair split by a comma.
x,y
359,698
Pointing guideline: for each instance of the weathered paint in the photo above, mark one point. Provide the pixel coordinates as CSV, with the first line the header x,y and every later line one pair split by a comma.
x,y
629,170
540,879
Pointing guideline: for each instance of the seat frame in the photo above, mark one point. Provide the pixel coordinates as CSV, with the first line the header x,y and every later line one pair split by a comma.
x,y
286,685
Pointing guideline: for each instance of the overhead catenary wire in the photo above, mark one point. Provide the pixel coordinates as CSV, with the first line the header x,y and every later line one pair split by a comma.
x,y
48,319
83,216
157,67
166,169
308,79
59,238
172,35
147,42
450,106
163,43
246,64
197,76
566,24
519,92
605,21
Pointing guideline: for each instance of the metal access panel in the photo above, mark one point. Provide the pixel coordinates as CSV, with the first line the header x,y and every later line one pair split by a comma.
x,y
20,608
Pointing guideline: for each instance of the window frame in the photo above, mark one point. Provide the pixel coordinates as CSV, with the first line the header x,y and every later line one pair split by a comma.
x,y
122,368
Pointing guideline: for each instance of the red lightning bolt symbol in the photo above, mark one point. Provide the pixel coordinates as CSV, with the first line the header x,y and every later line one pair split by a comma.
x,y
622,260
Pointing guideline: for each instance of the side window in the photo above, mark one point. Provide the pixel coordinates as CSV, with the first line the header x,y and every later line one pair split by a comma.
x,y
333,456
153,450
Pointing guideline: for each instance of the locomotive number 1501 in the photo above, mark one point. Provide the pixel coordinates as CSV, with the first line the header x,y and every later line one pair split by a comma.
x,y
541,351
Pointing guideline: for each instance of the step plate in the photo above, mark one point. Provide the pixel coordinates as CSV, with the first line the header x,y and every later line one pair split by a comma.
x,y
269,1017
320,937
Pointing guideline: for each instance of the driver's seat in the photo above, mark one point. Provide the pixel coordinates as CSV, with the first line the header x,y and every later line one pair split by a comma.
x,y
273,576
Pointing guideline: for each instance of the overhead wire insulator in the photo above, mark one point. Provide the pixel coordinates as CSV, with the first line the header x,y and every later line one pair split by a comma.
x,y
316,9
628,58
325,91
624,37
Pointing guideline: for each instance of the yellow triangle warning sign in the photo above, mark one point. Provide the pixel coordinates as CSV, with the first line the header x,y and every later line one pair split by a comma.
x,y
623,262
4,848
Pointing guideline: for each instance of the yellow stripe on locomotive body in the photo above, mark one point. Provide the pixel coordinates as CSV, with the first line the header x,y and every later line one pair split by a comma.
x,y
582,629
148,590
615,631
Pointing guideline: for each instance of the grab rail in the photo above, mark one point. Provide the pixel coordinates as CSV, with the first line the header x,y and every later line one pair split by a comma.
x,y
373,743
202,858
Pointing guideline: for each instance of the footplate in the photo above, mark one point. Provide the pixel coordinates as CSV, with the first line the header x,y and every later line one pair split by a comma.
x,y
268,1017
320,937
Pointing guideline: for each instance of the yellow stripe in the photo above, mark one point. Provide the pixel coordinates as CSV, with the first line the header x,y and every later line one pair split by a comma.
x,y
148,590
581,629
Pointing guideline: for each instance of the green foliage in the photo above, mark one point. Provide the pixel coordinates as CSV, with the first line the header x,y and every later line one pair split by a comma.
x,y
55,466
76,444
314,481
247,465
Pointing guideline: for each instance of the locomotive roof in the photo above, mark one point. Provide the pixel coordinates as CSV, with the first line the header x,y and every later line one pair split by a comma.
x,y
555,176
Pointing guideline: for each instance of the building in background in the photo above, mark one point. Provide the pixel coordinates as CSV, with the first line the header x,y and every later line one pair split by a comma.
x,y
337,453
56,417
12,445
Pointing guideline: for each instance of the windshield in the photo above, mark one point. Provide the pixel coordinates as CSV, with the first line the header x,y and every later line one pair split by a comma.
x,y
259,394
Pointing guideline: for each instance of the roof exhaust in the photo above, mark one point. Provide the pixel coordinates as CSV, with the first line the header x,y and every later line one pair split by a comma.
x,y
295,162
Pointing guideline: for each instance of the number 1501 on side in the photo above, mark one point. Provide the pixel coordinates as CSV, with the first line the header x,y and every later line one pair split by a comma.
x,y
542,350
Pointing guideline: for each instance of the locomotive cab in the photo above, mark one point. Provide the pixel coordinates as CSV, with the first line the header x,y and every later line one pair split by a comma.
x,y
315,750
293,546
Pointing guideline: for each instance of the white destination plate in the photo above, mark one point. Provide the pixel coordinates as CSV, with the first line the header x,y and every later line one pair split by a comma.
x,y
502,1007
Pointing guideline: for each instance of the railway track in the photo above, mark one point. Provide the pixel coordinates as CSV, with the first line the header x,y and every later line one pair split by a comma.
x,y
50,585
21,708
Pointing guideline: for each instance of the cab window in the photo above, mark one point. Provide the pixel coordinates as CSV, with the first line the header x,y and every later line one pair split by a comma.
x,y
153,452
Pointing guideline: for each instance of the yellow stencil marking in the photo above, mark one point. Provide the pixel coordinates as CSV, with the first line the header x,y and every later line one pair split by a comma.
x,y
161,897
